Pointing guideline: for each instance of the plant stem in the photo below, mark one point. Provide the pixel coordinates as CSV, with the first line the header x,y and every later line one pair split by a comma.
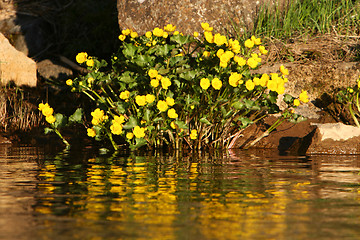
x,y
62,138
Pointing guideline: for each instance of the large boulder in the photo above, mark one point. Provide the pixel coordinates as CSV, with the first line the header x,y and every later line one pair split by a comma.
x,y
15,66
145,15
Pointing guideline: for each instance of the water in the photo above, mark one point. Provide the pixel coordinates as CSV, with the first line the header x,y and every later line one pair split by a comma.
x,y
229,195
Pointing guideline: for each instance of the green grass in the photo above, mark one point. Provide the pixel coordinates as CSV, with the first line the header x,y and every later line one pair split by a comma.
x,y
306,18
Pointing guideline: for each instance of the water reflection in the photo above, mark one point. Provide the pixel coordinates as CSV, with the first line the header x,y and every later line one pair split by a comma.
x,y
220,195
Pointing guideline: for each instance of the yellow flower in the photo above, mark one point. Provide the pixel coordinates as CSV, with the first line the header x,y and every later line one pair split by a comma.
x,y
251,62
134,34
204,83
272,85
148,34
193,134
139,132
119,119
116,128
50,119
165,82
249,85
125,94
220,39
97,114
42,106
196,34
216,83
206,54
284,70
150,98
249,43
90,62
158,32
170,101
173,125
47,111
304,97
240,60
162,105
154,83
69,82
152,73
140,100
90,81
169,28
256,41
91,132
165,35
176,33
206,27
296,102
280,89
122,37
209,37
264,79
129,135
234,45
126,32
81,57
172,113
263,50
358,84
234,79
220,52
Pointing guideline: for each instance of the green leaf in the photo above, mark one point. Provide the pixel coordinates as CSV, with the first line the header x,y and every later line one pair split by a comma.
x,y
181,39
164,50
131,123
77,116
144,60
127,77
181,124
188,75
61,120
204,120
288,99
129,50
120,107
245,121
139,142
147,115
48,130
238,105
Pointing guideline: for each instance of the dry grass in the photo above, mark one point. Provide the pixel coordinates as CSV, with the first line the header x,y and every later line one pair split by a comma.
x,y
16,112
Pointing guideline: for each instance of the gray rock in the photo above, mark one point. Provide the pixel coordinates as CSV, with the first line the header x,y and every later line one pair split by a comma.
x,y
145,15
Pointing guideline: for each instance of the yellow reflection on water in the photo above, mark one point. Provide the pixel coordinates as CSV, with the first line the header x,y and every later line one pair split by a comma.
x,y
216,201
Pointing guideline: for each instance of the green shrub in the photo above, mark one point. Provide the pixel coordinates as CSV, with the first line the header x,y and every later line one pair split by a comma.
x,y
175,90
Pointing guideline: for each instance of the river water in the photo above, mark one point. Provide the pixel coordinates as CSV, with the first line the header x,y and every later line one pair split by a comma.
x,y
219,195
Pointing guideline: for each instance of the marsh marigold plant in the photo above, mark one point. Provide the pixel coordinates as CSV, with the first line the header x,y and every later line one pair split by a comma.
x,y
170,89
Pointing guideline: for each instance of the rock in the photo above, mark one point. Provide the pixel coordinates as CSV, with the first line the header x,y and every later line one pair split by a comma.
x,y
50,69
145,15
15,66
335,138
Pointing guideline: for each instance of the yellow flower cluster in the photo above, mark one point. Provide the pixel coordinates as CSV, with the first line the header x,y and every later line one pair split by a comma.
x,y
83,57
156,78
235,79
124,95
117,125
139,132
47,111
224,57
98,116
127,32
